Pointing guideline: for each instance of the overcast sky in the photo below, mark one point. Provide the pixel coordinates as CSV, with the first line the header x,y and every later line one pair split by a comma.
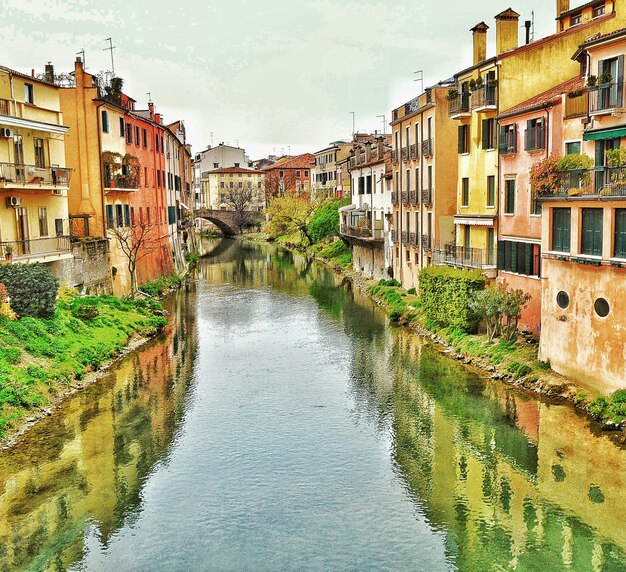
x,y
269,74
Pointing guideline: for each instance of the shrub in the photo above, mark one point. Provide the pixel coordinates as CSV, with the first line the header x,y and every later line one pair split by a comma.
x,y
32,287
325,221
445,293
86,312
501,309
192,258
412,291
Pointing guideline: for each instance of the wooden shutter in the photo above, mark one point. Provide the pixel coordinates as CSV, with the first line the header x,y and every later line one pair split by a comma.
x,y
528,259
126,215
620,233
500,261
514,257
461,132
110,223
485,133
620,80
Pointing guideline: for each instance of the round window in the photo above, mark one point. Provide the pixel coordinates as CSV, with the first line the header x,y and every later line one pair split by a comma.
x,y
601,307
562,299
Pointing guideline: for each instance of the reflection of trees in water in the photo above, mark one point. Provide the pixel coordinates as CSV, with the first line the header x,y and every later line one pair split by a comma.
x,y
86,466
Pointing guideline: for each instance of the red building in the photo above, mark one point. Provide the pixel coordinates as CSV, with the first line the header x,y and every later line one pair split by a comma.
x,y
289,174
148,206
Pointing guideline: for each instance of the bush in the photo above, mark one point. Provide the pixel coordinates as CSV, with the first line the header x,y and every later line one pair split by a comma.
x,y
86,312
325,221
192,258
445,296
32,287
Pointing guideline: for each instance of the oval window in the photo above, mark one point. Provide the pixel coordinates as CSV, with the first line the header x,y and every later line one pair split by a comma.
x,y
562,299
601,307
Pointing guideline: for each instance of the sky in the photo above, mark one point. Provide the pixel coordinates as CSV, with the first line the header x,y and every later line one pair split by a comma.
x,y
274,76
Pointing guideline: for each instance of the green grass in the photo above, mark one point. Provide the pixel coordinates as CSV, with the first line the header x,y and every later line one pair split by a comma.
x,y
611,409
161,285
40,357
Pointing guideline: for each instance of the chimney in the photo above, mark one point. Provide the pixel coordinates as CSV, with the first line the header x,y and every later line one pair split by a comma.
x,y
79,74
151,108
49,73
479,32
507,23
561,6
527,25
381,146
368,151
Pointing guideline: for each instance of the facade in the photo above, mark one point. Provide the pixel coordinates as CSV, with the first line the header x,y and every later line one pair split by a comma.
x,y
529,133
366,222
324,173
584,229
34,178
219,184
215,158
424,165
289,175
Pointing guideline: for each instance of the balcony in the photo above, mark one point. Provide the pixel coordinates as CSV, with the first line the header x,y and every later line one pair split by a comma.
x,y
427,243
121,183
459,106
427,196
394,198
606,98
427,147
412,239
394,156
405,197
405,153
462,257
508,142
576,105
413,153
413,197
362,232
394,236
586,184
38,249
485,99
535,138
18,175
405,237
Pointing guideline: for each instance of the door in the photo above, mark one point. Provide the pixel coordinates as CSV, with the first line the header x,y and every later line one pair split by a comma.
x,y
23,235
18,151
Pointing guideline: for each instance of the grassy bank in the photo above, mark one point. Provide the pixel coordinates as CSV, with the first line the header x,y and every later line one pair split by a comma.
x,y
42,358
515,362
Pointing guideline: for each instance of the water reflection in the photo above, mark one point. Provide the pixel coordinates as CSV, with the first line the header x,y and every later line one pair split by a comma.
x,y
85,467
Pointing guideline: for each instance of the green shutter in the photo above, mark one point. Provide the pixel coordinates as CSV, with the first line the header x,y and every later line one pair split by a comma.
x,y
126,215
507,255
171,215
620,233
461,132
514,257
485,133
110,218
620,80
500,261
528,259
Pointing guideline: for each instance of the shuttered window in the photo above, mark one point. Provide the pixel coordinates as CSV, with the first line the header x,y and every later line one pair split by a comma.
x,y
465,192
110,217
171,215
519,257
488,134
509,198
591,242
463,139
561,223
491,191
619,250
126,215
105,121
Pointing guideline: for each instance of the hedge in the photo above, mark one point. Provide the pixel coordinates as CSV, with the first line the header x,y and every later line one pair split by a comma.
x,y
444,294
32,287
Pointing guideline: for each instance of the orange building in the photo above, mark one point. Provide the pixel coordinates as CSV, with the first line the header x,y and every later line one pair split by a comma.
x,y
289,175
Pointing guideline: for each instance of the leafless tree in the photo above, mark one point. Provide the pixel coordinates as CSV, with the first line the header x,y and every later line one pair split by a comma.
x,y
136,242
243,202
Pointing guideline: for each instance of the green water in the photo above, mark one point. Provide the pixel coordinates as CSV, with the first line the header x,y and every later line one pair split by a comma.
x,y
280,424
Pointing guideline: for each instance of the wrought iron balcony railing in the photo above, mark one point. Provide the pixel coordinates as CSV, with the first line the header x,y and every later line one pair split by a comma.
x,y
459,105
508,142
535,138
413,197
36,247
394,156
413,154
485,98
12,174
405,237
427,196
427,242
405,197
461,256
427,147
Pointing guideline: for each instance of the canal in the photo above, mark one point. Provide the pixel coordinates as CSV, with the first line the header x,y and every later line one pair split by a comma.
x,y
279,423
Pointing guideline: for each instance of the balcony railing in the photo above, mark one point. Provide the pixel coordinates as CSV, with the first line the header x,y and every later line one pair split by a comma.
x,y
405,197
577,106
405,237
427,242
36,247
484,98
122,182
394,156
427,196
412,239
606,97
394,236
535,138
362,232
12,174
599,182
413,197
461,256
394,198
405,153
413,151
459,105
508,142
427,147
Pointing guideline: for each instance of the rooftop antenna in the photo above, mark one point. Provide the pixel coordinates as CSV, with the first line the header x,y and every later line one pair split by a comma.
x,y
149,97
353,115
532,19
384,123
110,48
420,78
82,53
289,150
211,138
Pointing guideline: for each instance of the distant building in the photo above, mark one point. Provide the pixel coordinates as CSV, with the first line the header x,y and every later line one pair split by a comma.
x,y
289,175
324,173
216,158
218,185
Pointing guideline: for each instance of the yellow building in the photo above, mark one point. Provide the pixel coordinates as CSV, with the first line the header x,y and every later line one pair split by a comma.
x,y
242,185
95,141
424,181
34,180
326,175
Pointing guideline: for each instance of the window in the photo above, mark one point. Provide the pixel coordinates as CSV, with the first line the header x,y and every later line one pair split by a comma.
x,y
136,135
171,215
508,139
110,217
535,204
489,134
126,215
122,127
145,139
465,192
129,133
43,221
306,173
535,134
281,174
610,94
509,196
408,180
222,185
599,10
105,121
601,307
29,93
119,216
572,148
464,139
297,174
562,299
368,184
491,191
591,240
58,226
417,179
561,223
40,152
576,19
619,245
519,257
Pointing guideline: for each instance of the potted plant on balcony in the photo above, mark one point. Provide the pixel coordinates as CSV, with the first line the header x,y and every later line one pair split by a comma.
x,y
616,162
8,252
479,82
605,78
472,84
576,166
592,81
544,176
452,94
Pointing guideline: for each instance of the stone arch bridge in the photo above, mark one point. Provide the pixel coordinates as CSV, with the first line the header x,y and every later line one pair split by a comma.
x,y
224,220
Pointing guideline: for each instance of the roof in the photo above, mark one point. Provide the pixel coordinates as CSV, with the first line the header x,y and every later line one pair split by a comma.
x,y
480,27
546,99
234,170
26,76
305,161
573,11
598,38
508,14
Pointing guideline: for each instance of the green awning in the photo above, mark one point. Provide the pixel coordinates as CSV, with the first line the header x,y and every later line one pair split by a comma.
x,y
601,134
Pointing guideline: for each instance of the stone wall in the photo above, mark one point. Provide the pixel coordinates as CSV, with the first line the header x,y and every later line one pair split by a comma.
x,y
88,270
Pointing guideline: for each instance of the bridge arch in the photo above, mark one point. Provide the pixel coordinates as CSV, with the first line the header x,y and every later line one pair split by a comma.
x,y
221,219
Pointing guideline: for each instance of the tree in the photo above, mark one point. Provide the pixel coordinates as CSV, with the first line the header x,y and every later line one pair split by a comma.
x,y
291,214
501,309
136,242
241,202
32,288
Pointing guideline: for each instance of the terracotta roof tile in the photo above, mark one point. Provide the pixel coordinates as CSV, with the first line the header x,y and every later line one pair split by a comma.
x,y
234,170
305,161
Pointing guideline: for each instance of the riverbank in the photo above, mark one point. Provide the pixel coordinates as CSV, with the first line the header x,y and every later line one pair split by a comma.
x,y
44,360
515,363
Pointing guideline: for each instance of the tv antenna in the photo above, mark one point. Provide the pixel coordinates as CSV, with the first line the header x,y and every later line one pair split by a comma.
x,y
82,53
384,123
110,48
420,78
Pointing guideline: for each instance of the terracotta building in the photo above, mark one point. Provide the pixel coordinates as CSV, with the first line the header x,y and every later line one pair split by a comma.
x,y
289,175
